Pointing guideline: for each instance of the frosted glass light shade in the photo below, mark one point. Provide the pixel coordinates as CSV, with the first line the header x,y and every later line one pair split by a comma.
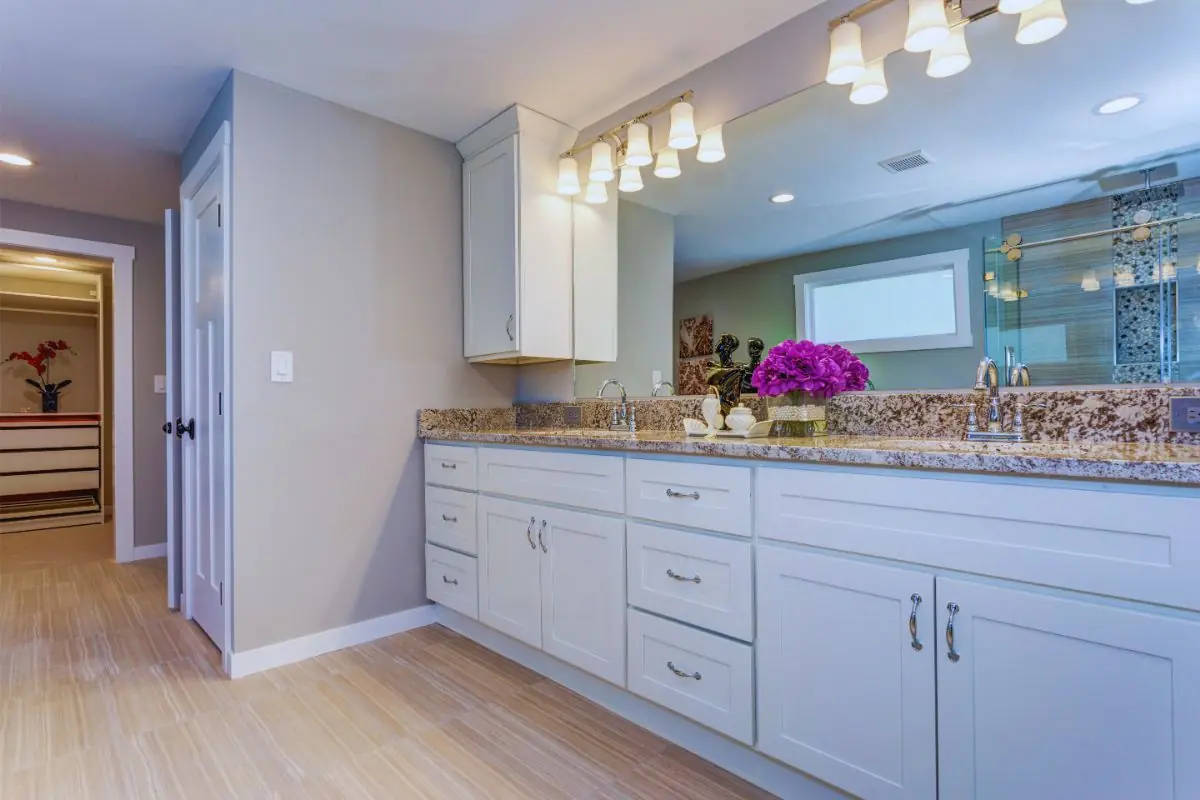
x,y
949,56
596,194
927,25
1016,6
683,127
631,179
637,153
568,177
846,64
712,146
1090,282
871,87
668,164
1042,22
602,163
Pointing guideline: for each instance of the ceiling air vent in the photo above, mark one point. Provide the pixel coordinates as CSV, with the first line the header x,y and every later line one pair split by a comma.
x,y
917,158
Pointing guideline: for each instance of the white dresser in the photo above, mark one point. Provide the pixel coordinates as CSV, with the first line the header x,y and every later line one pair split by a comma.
x,y
50,471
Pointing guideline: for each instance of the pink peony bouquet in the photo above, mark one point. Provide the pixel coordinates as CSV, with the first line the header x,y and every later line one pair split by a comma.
x,y
821,370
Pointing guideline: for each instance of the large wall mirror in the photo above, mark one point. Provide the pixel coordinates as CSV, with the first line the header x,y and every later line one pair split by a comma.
x,y
994,212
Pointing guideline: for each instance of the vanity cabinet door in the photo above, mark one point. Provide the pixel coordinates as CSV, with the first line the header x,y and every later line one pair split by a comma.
x,y
510,597
1047,697
583,590
843,693
491,313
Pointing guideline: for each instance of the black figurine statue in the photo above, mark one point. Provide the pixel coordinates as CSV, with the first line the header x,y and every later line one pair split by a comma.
x,y
755,347
727,375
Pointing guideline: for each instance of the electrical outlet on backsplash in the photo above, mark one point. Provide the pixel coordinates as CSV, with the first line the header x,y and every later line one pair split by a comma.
x,y
573,416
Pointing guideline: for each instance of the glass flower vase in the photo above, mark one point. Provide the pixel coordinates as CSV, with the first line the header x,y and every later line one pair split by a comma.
x,y
797,414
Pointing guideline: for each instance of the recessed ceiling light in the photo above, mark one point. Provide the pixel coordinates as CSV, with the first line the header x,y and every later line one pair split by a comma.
x,y
1119,104
46,259
1138,2
782,197
15,160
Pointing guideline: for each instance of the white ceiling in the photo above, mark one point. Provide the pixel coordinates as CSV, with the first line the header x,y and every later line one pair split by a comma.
x,y
1013,133
105,93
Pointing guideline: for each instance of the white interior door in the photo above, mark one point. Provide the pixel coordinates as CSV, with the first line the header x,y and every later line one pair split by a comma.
x,y
174,481
202,403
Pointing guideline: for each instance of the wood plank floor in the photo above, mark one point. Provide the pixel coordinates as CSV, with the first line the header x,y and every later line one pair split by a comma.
x,y
106,694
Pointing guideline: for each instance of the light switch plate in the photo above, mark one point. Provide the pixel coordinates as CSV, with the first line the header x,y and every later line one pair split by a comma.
x,y
160,384
1185,414
281,366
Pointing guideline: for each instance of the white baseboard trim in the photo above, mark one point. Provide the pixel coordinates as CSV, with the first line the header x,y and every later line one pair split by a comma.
x,y
316,644
150,551
725,753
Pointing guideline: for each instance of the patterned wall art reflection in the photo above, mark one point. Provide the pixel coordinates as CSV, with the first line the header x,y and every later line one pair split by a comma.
x,y
695,351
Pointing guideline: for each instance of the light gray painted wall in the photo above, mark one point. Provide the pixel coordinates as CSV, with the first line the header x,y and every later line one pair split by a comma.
x,y
760,300
22,331
149,343
219,111
347,250
645,295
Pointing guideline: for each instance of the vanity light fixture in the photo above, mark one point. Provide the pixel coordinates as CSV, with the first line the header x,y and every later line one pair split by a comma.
x,y
787,197
638,152
1090,282
1119,104
1042,22
712,146
597,193
683,127
949,56
668,164
871,87
927,25
631,179
15,160
568,177
601,170
846,64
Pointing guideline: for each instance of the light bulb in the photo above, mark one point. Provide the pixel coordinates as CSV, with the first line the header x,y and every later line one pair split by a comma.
x,y
568,177
1090,282
631,179
683,127
927,25
14,160
602,163
668,164
846,63
638,152
712,146
596,194
949,56
1016,6
871,87
1042,22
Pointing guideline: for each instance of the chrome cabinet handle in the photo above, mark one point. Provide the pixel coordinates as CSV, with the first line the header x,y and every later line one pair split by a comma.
x,y
693,675
912,623
449,466
675,494
953,609
672,574
508,327
541,540
529,533
451,582
446,518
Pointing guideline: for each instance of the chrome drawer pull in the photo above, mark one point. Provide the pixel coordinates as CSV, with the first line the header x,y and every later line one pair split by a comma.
x,y
681,495
912,623
451,582
541,537
953,609
529,533
693,675
449,519
449,466
672,574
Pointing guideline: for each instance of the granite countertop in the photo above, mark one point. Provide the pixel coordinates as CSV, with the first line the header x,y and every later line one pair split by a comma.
x,y
1159,463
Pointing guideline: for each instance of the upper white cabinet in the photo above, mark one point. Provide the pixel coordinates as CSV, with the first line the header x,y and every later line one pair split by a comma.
x,y
519,250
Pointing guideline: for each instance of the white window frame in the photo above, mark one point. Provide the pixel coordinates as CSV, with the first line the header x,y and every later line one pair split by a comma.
x,y
960,260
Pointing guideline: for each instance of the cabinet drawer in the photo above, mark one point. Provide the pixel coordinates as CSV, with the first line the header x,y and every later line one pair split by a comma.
x,y
692,577
697,674
451,579
447,465
33,438
450,519
45,482
569,479
1089,537
41,460
709,496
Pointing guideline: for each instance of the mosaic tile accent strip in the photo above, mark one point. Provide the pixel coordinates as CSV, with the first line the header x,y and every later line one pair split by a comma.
x,y
1144,257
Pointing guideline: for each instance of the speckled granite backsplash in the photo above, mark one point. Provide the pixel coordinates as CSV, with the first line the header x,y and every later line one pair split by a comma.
x,y
1107,414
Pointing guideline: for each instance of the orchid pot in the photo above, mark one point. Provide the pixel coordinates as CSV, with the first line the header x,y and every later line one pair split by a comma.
x,y
798,378
47,352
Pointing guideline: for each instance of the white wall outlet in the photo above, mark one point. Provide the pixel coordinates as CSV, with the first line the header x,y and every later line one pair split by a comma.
x,y
281,366
160,384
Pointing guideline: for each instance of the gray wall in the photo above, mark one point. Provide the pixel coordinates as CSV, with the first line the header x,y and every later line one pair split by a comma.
x,y
149,343
760,300
221,110
347,250
645,287
22,330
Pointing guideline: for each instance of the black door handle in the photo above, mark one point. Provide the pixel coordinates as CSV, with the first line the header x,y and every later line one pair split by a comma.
x,y
189,429
168,428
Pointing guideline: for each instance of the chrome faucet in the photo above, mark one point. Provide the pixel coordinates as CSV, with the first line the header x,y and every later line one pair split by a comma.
x,y
987,377
621,418
660,385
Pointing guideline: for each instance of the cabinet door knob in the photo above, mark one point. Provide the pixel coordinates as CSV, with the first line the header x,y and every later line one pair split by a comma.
x,y
951,654
508,327
541,537
529,533
912,623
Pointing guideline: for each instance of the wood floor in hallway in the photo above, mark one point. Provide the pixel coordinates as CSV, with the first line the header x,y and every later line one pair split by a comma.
x,y
106,694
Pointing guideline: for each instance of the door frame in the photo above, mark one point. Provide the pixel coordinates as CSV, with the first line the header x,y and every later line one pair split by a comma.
x,y
121,415
218,155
